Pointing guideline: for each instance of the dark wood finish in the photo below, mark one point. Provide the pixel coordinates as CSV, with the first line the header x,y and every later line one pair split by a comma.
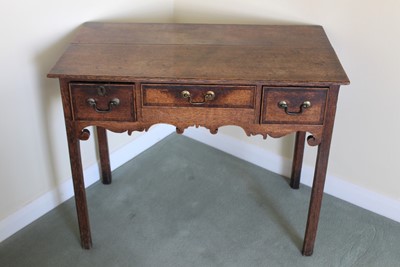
x,y
102,94
312,36
294,98
104,155
76,169
249,68
160,102
272,54
321,166
297,160
225,96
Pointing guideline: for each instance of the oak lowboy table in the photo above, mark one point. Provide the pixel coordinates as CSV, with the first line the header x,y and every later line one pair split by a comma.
x,y
269,80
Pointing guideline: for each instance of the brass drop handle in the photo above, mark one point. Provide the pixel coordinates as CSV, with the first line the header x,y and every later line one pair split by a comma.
x,y
210,95
113,103
284,105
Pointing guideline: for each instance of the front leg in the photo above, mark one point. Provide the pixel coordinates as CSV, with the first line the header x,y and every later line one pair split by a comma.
x,y
316,197
321,167
79,187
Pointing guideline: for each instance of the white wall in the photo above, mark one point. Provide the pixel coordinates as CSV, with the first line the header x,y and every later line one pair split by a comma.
x,y
33,150
366,36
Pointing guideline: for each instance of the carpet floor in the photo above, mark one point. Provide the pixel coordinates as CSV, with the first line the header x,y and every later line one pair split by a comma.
x,y
182,203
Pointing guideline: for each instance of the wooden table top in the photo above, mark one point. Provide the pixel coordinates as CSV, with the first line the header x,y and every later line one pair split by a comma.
x,y
201,52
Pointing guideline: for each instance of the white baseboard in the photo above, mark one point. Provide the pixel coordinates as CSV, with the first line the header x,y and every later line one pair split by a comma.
x,y
334,186
64,191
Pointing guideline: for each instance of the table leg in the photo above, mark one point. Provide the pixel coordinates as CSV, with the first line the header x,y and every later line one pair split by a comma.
x,y
104,155
316,198
321,167
79,188
297,160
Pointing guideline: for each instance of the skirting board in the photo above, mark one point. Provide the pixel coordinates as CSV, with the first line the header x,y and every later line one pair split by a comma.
x,y
64,191
334,186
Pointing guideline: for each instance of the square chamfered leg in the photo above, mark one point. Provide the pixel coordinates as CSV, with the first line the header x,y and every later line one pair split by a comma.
x,y
321,166
76,168
104,155
297,160
316,198
79,187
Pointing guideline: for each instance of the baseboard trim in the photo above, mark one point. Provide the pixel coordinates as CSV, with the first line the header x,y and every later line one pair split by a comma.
x,y
64,191
334,186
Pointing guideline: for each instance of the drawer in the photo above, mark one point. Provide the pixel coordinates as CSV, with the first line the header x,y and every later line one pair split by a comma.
x,y
293,105
95,101
219,96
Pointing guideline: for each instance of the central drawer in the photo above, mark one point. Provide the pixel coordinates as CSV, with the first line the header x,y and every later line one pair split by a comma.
x,y
178,95
196,104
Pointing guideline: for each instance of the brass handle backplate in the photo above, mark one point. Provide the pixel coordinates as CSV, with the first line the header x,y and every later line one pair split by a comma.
x,y
210,95
284,105
113,103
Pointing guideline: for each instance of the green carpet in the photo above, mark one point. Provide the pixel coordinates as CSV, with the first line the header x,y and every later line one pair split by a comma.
x,y
182,203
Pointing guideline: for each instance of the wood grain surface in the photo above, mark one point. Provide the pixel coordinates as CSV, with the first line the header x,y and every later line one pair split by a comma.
x,y
268,54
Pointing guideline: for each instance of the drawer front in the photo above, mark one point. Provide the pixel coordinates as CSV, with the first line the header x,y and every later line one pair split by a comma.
x,y
93,101
219,96
293,105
